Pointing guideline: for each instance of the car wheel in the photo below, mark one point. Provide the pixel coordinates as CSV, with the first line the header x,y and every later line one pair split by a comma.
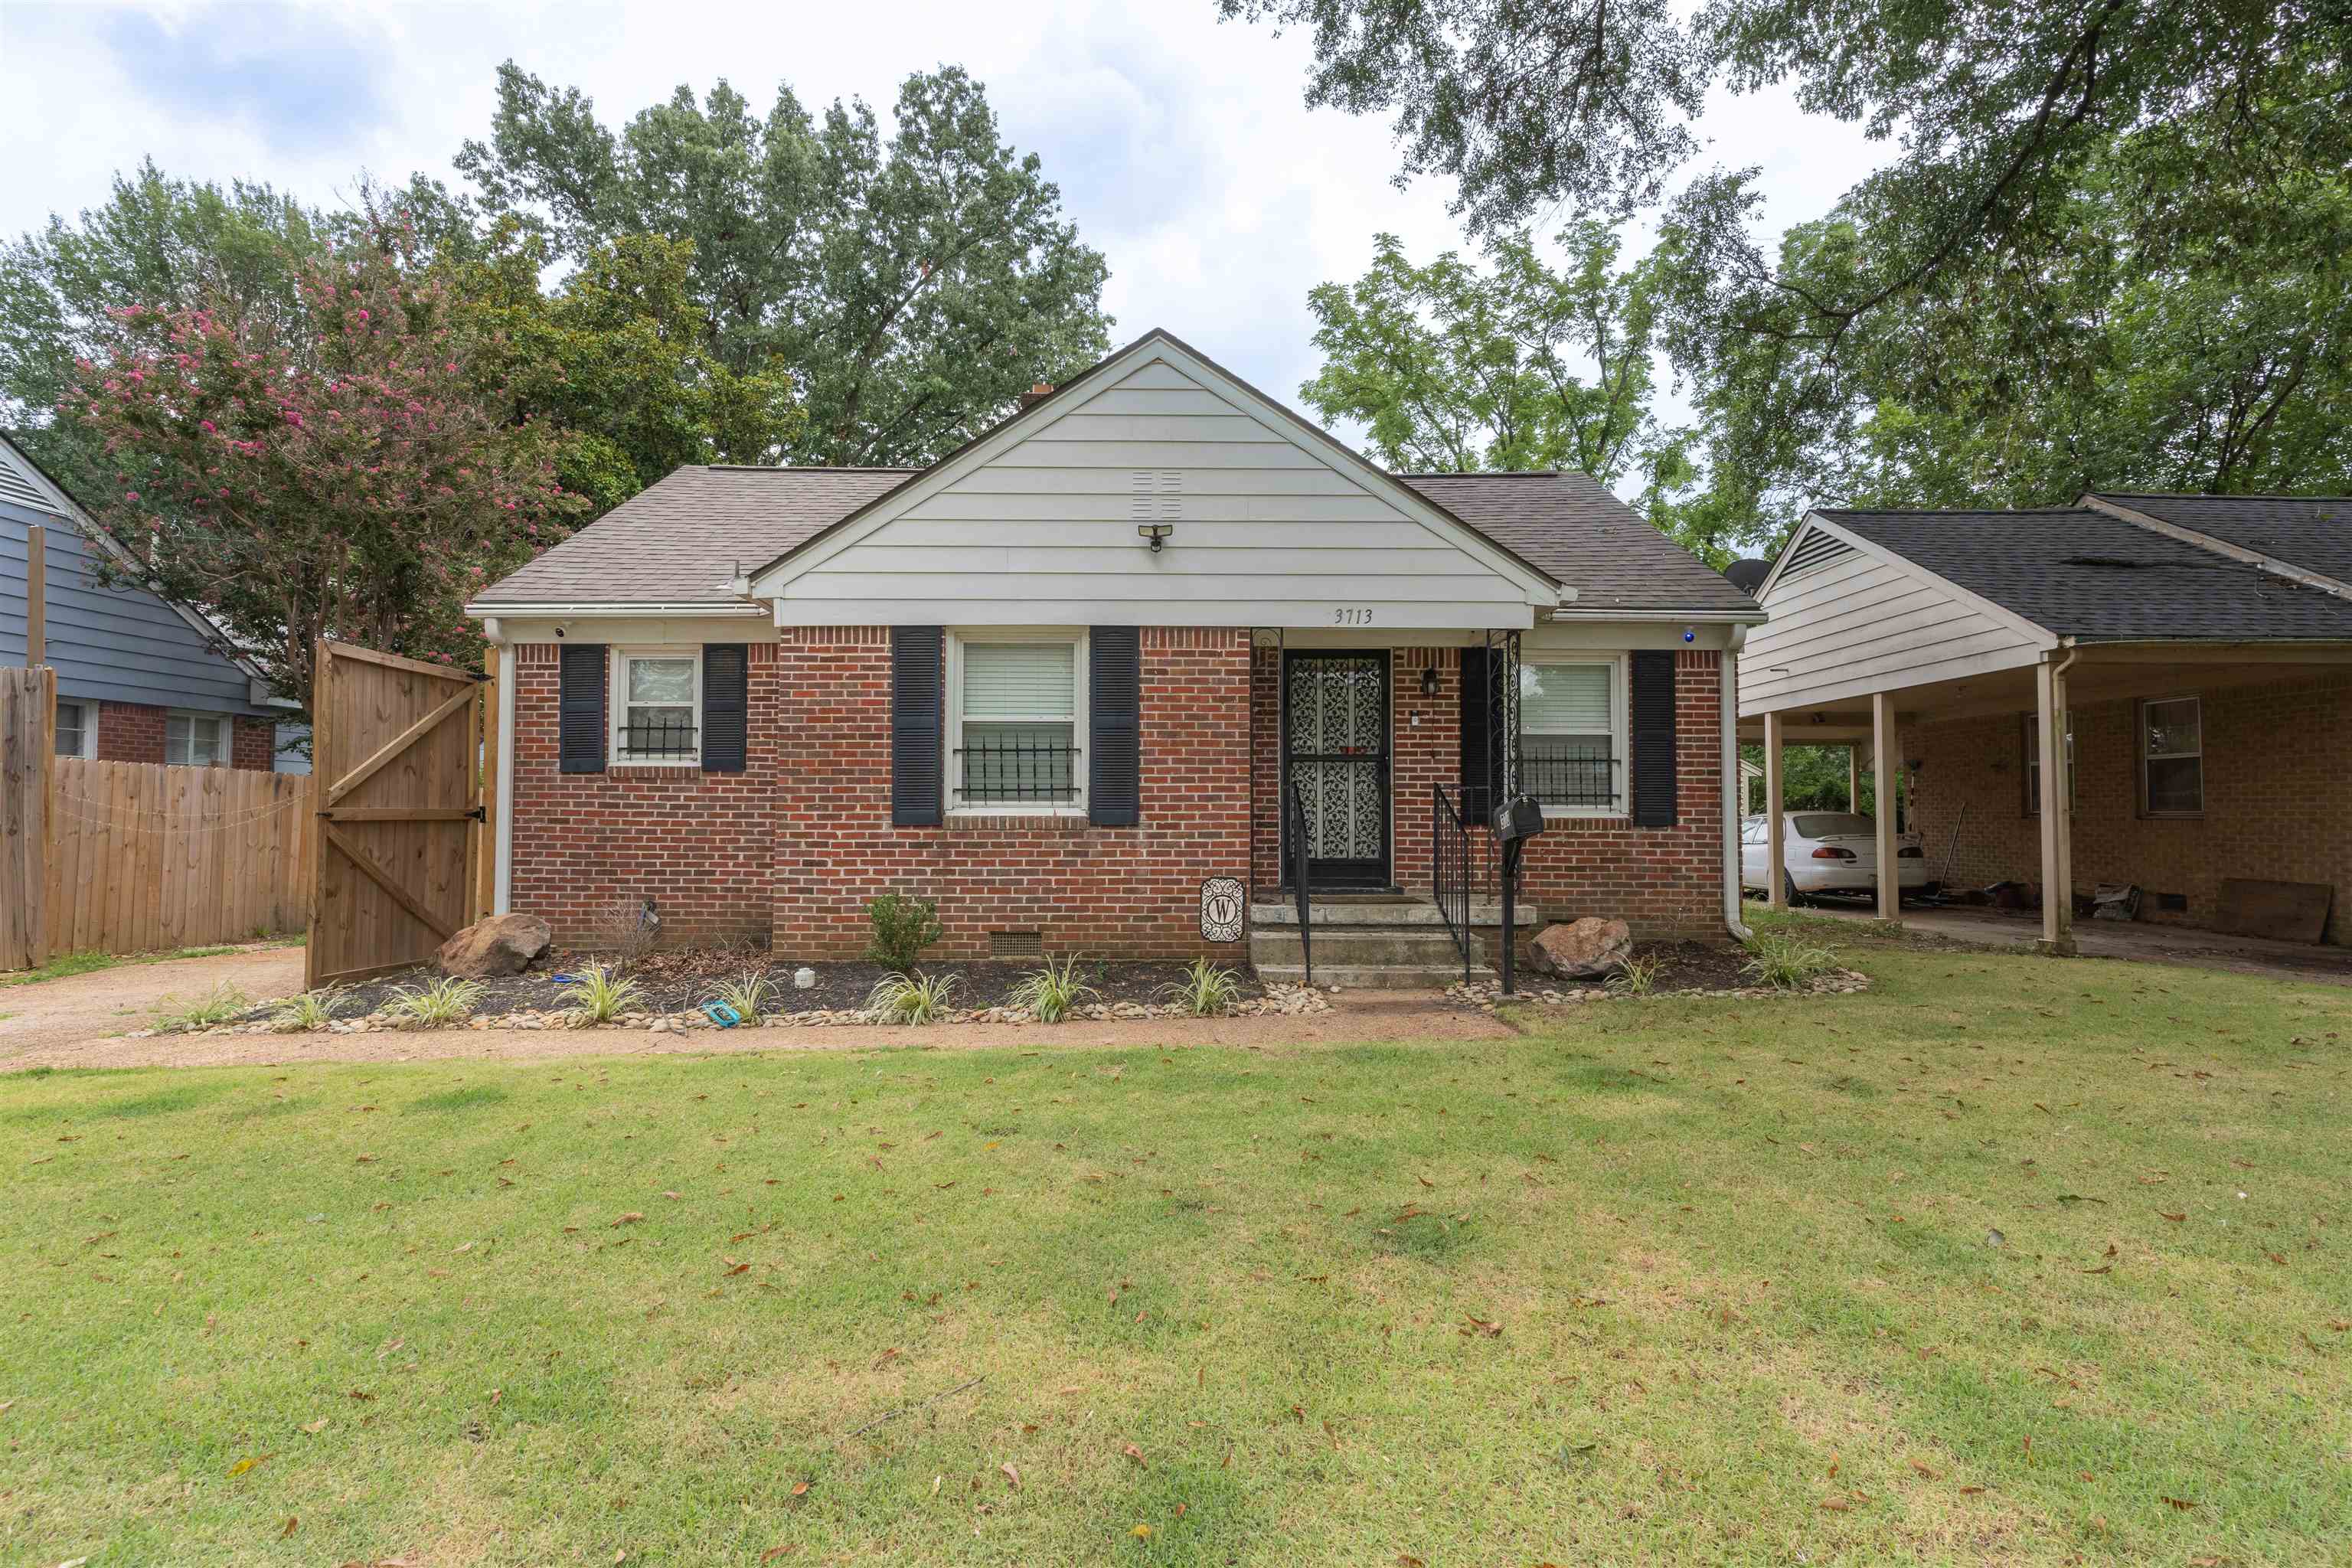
x,y
1789,891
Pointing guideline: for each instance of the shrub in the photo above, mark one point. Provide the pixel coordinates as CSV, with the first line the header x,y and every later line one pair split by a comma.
x,y
626,928
1052,991
910,999
1636,976
310,1010
600,996
748,994
447,1000
1206,990
223,1002
903,927
1784,962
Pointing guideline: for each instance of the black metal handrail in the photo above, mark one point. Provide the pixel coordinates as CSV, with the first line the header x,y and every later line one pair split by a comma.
x,y
1294,829
1449,872
1019,771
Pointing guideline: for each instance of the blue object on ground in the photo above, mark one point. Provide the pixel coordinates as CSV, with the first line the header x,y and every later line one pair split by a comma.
x,y
720,1014
565,979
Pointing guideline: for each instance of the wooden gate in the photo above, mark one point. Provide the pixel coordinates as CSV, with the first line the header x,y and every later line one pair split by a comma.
x,y
396,747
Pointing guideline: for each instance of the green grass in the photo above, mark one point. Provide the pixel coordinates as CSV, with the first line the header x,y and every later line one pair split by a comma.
x,y
68,963
1737,1254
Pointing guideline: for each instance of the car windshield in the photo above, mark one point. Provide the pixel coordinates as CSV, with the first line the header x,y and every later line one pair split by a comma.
x,y
1833,825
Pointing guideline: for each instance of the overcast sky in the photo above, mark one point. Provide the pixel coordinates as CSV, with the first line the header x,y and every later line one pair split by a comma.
x,y
1181,146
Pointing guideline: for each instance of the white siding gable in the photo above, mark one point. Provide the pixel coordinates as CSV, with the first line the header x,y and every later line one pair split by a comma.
x,y
1272,526
1847,618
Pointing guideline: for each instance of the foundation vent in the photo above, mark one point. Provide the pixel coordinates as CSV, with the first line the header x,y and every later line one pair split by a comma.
x,y
1015,944
2172,903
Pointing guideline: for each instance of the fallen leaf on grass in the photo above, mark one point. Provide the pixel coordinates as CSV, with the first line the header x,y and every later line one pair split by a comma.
x,y
772,1552
1132,1452
800,1489
1480,1326
1011,1474
632,1218
2174,1218
292,1524
243,1465
1141,1533
315,1427
2183,1504
1925,1470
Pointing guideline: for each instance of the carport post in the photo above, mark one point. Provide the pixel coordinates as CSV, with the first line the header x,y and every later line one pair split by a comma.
x,y
1775,875
1883,753
1852,776
2057,835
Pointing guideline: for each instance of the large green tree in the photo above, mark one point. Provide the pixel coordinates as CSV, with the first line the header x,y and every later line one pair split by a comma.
x,y
1515,364
913,285
2093,156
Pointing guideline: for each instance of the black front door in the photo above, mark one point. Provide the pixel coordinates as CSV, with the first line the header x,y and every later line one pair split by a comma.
x,y
1334,746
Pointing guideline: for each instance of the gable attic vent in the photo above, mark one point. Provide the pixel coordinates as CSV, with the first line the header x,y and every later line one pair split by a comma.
x,y
1156,494
20,491
1816,549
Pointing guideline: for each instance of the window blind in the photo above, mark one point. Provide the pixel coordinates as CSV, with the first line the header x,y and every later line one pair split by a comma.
x,y
1019,680
1564,698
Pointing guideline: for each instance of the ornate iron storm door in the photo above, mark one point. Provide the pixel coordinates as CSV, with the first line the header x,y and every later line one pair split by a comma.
x,y
1335,743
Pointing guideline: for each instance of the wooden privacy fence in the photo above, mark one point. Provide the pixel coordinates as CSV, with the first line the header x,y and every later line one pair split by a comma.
x,y
143,856
396,747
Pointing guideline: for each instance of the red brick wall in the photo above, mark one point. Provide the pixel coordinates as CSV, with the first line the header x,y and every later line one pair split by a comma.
x,y
699,844
1663,881
1103,891
133,733
253,746
2278,799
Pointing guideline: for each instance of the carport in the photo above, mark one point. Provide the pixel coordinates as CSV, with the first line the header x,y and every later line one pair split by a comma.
x,y
1973,654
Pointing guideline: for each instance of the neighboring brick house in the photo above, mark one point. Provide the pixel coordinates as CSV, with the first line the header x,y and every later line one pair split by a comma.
x,y
1061,679
139,679
2190,657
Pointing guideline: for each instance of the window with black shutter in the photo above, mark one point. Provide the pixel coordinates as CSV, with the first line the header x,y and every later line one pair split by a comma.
x,y
726,680
580,708
918,658
1114,727
1478,724
1652,713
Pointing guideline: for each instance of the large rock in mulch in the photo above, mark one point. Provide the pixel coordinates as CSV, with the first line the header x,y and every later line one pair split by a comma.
x,y
1582,950
501,944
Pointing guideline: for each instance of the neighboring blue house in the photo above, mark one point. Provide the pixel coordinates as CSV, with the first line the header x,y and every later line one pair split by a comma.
x,y
139,679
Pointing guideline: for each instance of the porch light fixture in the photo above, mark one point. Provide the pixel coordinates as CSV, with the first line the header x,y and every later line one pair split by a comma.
x,y
1428,681
1157,532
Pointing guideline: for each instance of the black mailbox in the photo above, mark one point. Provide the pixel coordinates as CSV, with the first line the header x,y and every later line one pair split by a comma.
x,y
1518,818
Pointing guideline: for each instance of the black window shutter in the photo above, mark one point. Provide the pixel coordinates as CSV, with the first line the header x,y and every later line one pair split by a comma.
x,y
725,704
1477,767
1653,740
917,682
580,709
1114,727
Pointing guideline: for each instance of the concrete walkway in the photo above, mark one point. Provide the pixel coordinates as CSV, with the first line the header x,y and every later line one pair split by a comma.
x,y
2119,939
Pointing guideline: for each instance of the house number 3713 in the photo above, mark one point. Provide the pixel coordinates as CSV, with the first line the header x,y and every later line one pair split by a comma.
x,y
1344,616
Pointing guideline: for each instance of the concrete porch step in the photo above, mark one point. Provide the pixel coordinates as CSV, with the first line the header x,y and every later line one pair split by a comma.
x,y
1372,977
1383,913
1408,945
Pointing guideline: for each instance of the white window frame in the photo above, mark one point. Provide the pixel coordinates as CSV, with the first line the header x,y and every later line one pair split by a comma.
x,y
2031,730
88,707
225,733
1081,683
1620,695
2139,745
616,702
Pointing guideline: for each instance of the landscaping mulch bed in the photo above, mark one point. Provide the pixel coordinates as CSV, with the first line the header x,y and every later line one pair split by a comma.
x,y
678,981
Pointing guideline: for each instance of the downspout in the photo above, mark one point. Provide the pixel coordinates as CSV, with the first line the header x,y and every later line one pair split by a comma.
x,y
1731,790
502,878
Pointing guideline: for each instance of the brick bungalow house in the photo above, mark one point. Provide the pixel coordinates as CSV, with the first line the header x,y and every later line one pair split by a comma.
x,y
2189,657
1066,675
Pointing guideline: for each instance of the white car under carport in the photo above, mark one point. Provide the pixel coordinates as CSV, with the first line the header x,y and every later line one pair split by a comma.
x,y
1827,852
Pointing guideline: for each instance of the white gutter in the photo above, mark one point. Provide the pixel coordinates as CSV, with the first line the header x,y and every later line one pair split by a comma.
x,y
502,876
1688,617
1732,790
614,611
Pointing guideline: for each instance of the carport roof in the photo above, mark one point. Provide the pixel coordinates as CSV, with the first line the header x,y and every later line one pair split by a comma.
x,y
2084,573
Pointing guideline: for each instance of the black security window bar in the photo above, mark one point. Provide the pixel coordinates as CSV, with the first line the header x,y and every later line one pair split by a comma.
x,y
659,736
1015,769
1569,773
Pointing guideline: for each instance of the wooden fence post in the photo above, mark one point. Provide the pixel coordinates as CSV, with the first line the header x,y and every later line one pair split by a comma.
x,y
28,705
323,776
485,832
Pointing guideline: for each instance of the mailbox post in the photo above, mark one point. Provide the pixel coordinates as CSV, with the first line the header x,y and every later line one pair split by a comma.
x,y
1516,820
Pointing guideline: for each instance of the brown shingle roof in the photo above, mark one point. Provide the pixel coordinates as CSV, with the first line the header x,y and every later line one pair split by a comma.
x,y
681,541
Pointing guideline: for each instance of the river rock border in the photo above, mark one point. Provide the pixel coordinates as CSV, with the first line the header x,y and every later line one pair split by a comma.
x,y
1487,994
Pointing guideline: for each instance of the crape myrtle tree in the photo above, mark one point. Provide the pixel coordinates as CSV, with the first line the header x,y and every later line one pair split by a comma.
x,y
913,285
332,473
2129,206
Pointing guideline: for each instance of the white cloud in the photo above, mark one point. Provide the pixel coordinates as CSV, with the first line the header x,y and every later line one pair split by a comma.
x,y
1181,145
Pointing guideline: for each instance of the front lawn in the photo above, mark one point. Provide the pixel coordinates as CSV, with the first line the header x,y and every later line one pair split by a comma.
x,y
2007,1259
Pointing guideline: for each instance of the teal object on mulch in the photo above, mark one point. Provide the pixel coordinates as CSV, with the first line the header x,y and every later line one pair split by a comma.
x,y
720,1014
